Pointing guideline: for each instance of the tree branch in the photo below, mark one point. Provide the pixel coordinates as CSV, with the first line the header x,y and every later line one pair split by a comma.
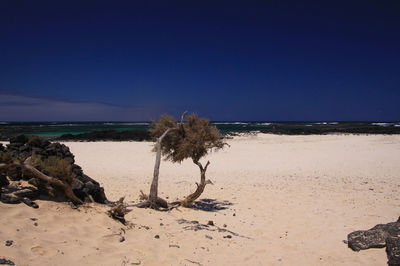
x,y
183,117
198,164
207,164
51,180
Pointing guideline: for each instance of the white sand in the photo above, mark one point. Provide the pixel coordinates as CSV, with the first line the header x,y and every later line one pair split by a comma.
x,y
295,198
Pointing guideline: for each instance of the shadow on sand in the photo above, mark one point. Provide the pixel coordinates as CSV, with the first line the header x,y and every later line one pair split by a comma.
x,y
209,205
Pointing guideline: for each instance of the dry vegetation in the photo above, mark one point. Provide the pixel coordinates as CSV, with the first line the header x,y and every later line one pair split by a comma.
x,y
192,138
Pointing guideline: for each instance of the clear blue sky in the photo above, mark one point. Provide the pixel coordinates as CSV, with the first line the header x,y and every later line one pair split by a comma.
x,y
226,60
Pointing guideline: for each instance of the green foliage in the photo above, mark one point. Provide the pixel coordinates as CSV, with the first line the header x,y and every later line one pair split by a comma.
x,y
193,139
55,167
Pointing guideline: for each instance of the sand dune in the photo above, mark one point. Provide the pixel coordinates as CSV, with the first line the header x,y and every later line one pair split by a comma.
x,y
287,200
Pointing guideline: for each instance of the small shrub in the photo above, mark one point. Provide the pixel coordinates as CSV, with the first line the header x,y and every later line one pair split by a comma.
x,y
55,167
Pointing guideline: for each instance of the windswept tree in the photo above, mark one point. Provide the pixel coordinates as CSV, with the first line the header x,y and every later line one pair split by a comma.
x,y
192,138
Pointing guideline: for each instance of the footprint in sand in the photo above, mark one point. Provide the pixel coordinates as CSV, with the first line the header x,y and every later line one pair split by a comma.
x,y
38,250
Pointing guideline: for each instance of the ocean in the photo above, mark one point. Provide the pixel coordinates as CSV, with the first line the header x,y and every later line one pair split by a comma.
x,y
57,129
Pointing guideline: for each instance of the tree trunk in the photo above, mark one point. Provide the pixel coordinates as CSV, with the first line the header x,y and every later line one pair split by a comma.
x,y
153,196
200,187
153,200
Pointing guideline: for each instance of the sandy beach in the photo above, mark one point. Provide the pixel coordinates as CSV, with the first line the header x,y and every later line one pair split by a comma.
x,y
284,200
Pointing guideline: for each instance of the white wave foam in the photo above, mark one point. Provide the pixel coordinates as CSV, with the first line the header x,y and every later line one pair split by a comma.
x,y
382,124
127,124
229,123
62,125
263,124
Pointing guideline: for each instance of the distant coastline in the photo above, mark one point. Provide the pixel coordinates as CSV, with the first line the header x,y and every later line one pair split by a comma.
x,y
138,131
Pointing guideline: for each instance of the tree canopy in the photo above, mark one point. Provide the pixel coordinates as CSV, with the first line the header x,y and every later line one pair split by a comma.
x,y
191,139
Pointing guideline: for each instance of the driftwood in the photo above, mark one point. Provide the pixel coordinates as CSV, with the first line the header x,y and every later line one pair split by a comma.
x,y
196,226
26,196
118,211
51,180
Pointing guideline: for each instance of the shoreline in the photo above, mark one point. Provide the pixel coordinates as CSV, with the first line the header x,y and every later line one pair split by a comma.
x,y
131,131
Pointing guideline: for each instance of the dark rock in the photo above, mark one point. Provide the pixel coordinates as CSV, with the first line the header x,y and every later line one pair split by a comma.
x,y
30,203
35,224
174,246
137,135
28,192
2,147
3,181
393,250
76,169
5,261
14,173
85,179
228,236
69,160
72,205
374,237
77,184
19,139
9,243
9,199
122,239
34,219
157,236
210,223
84,187
24,148
37,151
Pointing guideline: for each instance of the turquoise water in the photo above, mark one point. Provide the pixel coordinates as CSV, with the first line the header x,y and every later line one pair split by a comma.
x,y
56,129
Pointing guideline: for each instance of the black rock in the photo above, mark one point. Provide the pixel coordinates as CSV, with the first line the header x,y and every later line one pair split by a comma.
x,y
9,243
3,181
84,187
137,135
393,250
8,199
77,184
157,236
30,203
28,192
374,237
20,139
210,223
6,261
